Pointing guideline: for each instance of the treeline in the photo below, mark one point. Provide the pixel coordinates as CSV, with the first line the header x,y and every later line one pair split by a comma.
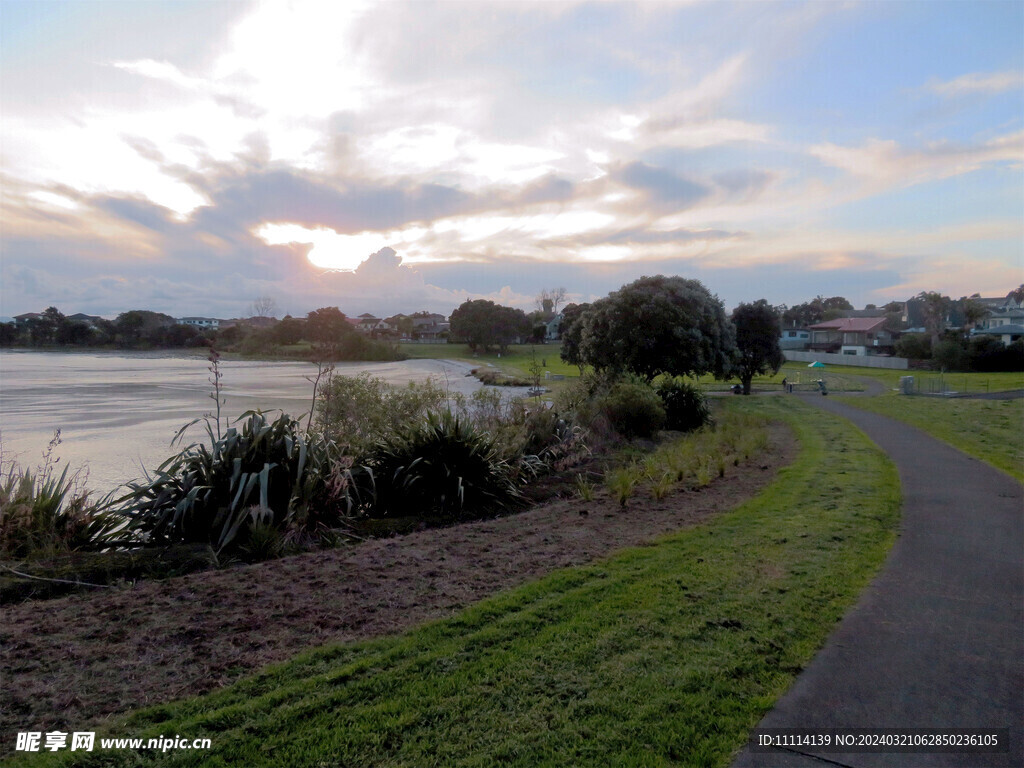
x,y
136,329
323,334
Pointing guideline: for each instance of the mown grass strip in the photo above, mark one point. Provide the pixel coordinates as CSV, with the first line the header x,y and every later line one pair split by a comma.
x,y
989,430
662,655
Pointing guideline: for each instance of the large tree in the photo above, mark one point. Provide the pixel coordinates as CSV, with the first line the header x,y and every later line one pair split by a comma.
x,y
757,339
483,324
659,325
327,325
570,330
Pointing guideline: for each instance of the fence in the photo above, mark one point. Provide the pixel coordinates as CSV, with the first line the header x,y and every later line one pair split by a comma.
x,y
861,361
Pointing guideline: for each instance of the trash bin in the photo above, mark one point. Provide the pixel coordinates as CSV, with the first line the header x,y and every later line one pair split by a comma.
x,y
906,385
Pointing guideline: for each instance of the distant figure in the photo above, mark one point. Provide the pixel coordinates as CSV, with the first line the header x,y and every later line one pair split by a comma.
x,y
821,386
785,384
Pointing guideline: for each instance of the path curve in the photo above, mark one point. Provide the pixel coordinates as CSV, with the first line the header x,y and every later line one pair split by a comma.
x,y
937,640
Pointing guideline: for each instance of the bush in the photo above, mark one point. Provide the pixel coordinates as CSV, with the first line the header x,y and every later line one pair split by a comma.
x,y
360,411
634,409
441,468
43,513
686,407
914,346
263,474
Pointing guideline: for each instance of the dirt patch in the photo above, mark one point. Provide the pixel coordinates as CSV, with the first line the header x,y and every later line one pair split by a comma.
x,y
69,662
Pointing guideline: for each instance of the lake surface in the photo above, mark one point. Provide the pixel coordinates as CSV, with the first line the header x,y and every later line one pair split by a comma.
x,y
118,412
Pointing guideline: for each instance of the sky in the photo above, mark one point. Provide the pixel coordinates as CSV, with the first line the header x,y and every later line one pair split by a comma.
x,y
384,157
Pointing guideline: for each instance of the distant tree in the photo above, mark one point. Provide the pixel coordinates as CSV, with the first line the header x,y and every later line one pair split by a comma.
x,y
935,306
288,331
8,334
263,306
483,324
403,323
803,315
548,300
327,325
1017,294
570,331
757,340
914,346
141,327
974,312
658,325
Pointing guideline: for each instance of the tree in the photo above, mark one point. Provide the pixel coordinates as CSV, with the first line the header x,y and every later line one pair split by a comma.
x,y
548,300
327,325
483,324
288,331
658,325
757,339
263,306
973,311
570,331
934,306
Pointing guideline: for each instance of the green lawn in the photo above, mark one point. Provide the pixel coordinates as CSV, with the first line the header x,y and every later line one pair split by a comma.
x,y
989,430
932,381
516,360
662,655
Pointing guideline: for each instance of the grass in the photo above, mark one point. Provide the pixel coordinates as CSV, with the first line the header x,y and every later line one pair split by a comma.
x,y
932,381
665,654
989,430
515,361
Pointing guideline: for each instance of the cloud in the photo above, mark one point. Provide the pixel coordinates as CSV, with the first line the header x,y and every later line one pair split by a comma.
x,y
662,189
987,83
886,163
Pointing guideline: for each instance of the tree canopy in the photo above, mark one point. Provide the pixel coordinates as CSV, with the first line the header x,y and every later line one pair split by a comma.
x,y
483,324
658,325
570,331
757,340
327,325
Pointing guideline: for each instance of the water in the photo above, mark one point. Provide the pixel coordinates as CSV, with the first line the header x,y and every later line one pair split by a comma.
x,y
118,412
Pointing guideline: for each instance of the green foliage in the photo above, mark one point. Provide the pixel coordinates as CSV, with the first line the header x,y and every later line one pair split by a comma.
x,y
44,513
570,332
441,468
633,409
263,473
686,407
483,324
950,355
584,488
327,325
622,483
658,325
914,346
757,341
359,411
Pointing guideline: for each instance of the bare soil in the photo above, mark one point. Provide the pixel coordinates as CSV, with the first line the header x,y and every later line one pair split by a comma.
x,y
73,661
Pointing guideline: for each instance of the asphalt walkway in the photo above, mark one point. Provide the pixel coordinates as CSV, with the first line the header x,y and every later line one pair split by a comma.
x,y
937,640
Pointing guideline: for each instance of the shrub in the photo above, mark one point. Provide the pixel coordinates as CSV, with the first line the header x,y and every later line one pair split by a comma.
x,y
359,411
44,513
686,407
633,409
262,474
441,468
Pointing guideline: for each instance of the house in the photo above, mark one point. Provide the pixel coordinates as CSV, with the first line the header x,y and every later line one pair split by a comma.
x,y
554,328
200,322
795,338
1005,316
27,317
851,336
1006,333
81,317
430,327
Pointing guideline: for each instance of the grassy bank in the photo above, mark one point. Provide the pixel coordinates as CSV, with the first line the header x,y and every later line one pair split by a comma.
x,y
666,654
989,430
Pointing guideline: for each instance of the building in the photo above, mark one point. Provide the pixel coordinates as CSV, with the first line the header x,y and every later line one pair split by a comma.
x,y
204,323
852,336
795,338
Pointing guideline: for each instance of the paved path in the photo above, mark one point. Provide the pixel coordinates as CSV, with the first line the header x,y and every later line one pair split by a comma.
x,y
937,640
